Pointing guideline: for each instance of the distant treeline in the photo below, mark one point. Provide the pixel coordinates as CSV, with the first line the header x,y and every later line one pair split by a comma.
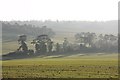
x,y
74,26
10,31
97,43
85,42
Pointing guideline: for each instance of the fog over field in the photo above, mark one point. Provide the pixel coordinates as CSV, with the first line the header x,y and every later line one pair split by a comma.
x,y
60,39
79,26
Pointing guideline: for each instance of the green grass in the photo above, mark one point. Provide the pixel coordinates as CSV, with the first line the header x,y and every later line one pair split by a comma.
x,y
67,66
87,66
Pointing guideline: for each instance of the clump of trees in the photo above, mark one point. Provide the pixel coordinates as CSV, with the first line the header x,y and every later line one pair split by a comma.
x,y
43,44
97,43
85,42
89,42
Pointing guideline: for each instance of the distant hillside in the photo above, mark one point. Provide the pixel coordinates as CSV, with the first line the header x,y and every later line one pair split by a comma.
x,y
77,26
11,31
33,28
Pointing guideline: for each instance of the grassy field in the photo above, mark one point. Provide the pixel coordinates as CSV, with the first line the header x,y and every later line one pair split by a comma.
x,y
72,66
90,65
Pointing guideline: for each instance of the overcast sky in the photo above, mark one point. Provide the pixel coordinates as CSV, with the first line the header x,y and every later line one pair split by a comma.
x,y
82,10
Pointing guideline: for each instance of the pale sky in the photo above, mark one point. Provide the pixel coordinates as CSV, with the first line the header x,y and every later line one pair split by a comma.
x,y
82,10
